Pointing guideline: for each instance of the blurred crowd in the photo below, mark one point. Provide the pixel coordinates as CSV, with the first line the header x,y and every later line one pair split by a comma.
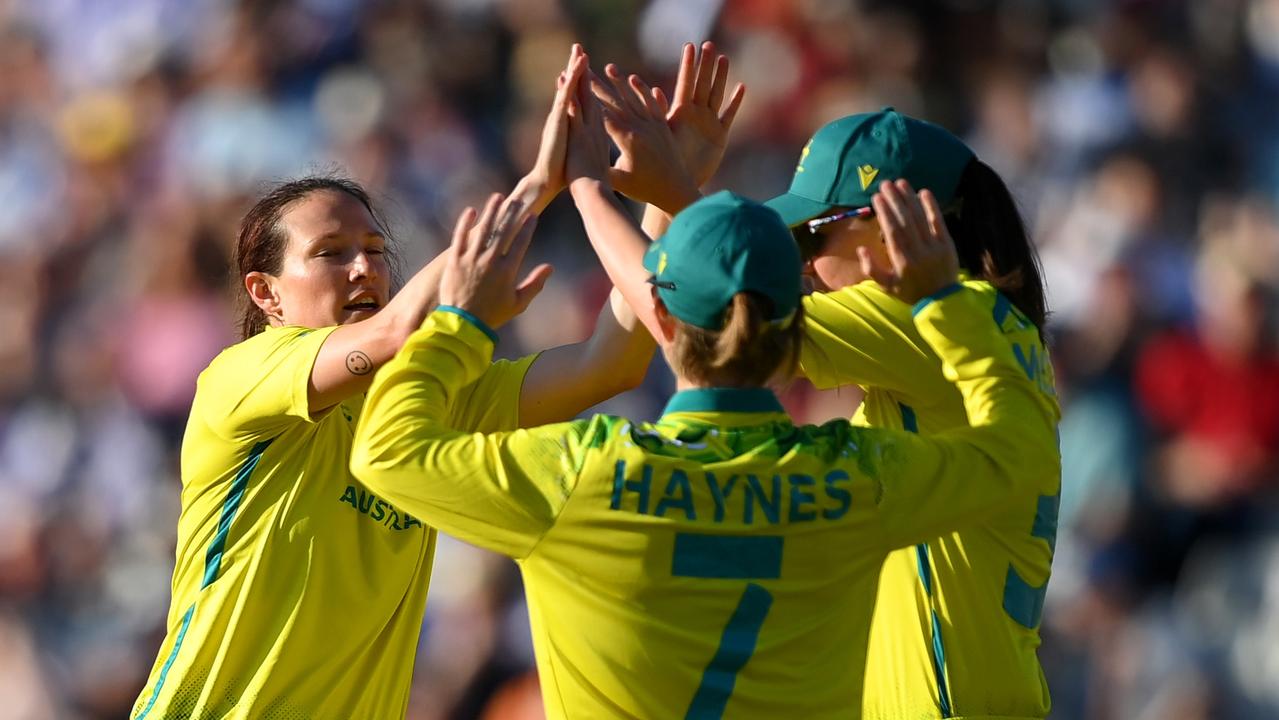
x,y
1140,137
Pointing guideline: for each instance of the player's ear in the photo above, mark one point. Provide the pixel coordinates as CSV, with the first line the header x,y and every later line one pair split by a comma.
x,y
665,322
263,292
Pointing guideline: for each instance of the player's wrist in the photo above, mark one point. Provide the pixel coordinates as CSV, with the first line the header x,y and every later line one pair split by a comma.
x,y
678,198
536,190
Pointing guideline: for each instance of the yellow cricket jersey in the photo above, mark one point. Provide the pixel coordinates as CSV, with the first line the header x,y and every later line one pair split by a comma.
x,y
298,592
721,562
957,619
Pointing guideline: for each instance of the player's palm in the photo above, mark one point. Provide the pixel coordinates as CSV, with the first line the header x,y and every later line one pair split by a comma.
x,y
699,118
700,140
481,275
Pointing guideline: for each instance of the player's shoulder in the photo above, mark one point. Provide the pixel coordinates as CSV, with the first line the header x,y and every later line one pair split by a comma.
x,y
829,441
255,350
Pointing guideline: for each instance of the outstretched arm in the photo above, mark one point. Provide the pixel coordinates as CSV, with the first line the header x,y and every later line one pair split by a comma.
x,y
351,354
612,232
500,491
667,152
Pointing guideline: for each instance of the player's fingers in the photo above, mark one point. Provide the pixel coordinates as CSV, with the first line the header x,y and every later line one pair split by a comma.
x,y
576,70
461,229
606,94
663,104
719,83
573,51
705,70
914,213
684,81
516,242
483,230
645,95
514,220
734,104
898,215
592,114
936,220
624,91
531,285
899,252
617,125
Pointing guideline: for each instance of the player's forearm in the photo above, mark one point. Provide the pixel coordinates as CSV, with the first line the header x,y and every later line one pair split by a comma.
x,y
566,380
619,245
533,191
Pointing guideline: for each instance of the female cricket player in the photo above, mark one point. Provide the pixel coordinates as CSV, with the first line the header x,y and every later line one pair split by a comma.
x,y
299,591
721,562
956,625
957,620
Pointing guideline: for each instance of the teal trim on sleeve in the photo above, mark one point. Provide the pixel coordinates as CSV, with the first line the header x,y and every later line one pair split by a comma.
x,y
744,400
483,326
950,289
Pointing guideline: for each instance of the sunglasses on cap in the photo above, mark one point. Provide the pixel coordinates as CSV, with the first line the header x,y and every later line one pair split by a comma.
x,y
815,223
810,240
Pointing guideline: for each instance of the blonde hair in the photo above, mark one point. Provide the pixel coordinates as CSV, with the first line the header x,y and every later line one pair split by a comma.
x,y
747,351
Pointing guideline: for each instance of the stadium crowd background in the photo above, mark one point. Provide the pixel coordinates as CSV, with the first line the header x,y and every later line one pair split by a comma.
x,y
1141,138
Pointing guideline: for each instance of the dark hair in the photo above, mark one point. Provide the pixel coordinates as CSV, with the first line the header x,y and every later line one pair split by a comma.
x,y
263,239
746,352
991,239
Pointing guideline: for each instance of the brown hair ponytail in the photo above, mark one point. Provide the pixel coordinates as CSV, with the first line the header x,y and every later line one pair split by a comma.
x,y
747,352
993,244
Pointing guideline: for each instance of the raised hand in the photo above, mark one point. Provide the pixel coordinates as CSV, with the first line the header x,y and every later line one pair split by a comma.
x,y
484,261
920,250
546,179
648,168
698,117
588,143
549,166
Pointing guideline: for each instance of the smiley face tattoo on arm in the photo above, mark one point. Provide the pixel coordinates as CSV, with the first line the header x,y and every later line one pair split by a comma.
x,y
358,363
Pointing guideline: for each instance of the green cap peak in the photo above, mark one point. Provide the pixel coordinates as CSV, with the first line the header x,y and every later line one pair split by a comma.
x,y
846,160
717,247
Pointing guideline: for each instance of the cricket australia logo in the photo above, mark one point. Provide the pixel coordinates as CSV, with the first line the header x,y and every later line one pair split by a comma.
x,y
867,173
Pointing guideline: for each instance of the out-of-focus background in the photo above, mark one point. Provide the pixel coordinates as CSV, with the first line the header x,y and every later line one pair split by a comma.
x,y
1141,138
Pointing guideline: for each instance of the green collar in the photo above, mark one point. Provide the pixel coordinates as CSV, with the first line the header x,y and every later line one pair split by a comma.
x,y
721,399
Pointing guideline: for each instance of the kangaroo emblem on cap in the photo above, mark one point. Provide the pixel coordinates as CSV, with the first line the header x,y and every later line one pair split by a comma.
x,y
867,174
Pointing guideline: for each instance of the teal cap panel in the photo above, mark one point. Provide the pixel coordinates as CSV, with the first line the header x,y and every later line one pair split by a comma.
x,y
719,246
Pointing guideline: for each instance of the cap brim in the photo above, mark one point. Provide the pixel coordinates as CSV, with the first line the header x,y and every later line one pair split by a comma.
x,y
795,209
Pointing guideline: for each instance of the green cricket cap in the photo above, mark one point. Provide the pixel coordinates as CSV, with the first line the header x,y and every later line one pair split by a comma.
x,y
846,160
719,246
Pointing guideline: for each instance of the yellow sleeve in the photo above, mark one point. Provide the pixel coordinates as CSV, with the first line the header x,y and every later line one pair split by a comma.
x,y
260,385
851,338
492,403
928,486
499,491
